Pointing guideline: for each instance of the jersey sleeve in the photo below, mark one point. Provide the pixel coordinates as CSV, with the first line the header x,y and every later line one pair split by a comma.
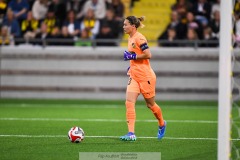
x,y
142,42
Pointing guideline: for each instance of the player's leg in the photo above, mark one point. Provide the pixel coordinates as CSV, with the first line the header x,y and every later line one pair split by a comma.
x,y
131,97
148,91
130,110
130,116
157,112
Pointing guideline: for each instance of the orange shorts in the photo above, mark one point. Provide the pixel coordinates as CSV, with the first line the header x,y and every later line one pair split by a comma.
x,y
147,88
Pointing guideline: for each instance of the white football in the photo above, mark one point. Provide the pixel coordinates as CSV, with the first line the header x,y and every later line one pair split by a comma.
x,y
76,134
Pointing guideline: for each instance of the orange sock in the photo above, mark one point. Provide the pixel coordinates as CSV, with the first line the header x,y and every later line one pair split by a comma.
x,y
130,115
158,114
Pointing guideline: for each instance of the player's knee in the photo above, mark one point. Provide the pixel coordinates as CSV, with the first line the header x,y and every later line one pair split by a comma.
x,y
132,100
150,104
129,101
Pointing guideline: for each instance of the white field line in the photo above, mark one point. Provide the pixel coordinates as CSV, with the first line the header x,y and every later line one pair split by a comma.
x,y
63,136
103,120
23,105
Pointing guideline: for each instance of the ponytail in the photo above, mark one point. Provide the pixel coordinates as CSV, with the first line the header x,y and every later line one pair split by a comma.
x,y
136,21
141,19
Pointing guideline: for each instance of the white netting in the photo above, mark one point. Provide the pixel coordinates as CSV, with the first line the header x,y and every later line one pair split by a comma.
x,y
235,117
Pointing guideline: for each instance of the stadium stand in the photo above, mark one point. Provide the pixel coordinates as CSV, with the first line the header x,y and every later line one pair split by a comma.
x,y
157,14
157,17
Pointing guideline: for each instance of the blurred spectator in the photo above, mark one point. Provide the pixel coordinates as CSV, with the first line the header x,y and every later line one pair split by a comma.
x,y
207,36
109,29
43,35
31,2
118,8
4,36
202,11
191,34
40,9
178,26
98,6
55,32
108,3
68,39
53,37
237,28
51,21
73,26
133,2
3,9
30,26
84,39
75,5
59,9
181,7
215,7
65,33
192,23
207,33
237,6
191,37
12,24
170,38
90,24
19,8
215,25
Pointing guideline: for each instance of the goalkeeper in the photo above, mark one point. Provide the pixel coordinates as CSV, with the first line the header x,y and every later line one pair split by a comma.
x,y
142,78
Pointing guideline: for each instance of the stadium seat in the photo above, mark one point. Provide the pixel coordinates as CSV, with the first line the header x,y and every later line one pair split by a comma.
x,y
157,17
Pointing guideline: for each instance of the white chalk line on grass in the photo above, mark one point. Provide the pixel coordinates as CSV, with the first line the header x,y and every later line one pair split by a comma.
x,y
103,120
62,136
23,105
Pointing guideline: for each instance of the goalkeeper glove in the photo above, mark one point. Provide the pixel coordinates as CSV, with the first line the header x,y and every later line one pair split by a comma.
x,y
129,56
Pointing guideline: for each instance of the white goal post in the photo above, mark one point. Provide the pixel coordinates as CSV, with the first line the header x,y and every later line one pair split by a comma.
x,y
225,71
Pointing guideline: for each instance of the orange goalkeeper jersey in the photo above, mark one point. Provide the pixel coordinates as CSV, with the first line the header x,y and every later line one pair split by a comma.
x,y
140,69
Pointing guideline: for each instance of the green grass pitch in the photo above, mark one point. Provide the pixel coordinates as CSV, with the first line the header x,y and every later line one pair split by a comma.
x,y
37,129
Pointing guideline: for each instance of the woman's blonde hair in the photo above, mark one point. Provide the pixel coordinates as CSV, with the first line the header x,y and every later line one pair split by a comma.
x,y
137,21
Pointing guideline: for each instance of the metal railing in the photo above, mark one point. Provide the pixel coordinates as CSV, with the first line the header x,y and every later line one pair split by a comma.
x,y
112,42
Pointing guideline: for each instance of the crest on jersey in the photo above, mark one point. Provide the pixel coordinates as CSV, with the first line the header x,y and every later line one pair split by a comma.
x,y
133,45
